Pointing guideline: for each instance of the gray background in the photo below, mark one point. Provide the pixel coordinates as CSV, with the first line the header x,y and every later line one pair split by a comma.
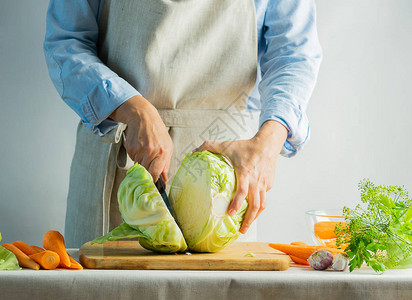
x,y
359,117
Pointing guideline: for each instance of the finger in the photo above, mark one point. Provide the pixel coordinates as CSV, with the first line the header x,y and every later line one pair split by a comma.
x,y
156,167
137,158
149,154
241,193
132,148
211,146
146,161
132,153
262,202
166,169
253,208
164,175
138,154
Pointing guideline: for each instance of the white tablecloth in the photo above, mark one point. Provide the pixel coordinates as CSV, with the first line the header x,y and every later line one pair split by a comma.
x,y
295,283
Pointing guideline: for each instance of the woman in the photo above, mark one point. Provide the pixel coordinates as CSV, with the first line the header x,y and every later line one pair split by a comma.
x,y
178,74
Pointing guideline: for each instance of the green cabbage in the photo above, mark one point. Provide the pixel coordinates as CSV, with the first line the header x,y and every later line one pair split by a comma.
x,y
8,260
145,215
200,194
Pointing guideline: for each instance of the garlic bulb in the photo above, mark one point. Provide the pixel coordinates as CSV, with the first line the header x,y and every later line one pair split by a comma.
x,y
320,259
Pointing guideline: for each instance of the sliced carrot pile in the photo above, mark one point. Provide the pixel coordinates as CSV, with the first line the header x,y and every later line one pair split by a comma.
x,y
55,252
54,241
302,251
46,259
23,259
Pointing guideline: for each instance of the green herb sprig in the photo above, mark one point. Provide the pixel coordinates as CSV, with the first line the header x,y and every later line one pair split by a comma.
x,y
379,232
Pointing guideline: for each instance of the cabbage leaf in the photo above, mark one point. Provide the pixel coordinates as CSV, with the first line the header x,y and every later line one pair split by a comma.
x,y
123,231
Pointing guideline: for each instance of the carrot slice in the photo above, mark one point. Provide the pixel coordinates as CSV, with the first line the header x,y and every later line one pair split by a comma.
x,y
74,264
54,241
302,252
27,249
47,259
299,261
24,260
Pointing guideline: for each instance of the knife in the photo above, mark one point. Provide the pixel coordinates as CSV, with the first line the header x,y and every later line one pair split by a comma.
x,y
161,187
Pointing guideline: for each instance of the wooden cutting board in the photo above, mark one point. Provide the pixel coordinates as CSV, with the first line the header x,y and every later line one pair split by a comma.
x,y
130,255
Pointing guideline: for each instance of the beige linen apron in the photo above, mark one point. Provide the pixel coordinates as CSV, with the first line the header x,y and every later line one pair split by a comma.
x,y
195,61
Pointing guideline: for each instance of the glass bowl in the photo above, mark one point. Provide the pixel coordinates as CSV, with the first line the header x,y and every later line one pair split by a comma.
x,y
322,224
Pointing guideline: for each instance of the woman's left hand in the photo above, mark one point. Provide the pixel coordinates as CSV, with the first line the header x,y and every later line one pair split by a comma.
x,y
254,162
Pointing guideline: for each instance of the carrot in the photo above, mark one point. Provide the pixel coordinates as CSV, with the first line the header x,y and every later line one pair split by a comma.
x,y
31,249
38,249
299,261
54,241
299,244
326,230
302,252
74,264
47,259
27,249
24,260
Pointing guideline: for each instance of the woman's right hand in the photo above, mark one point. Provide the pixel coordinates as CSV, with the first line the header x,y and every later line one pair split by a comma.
x,y
147,139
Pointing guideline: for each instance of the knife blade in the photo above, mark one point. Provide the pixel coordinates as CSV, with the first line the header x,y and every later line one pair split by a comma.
x,y
161,187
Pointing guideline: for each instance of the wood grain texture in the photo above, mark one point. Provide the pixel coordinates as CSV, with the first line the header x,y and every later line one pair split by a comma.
x,y
130,255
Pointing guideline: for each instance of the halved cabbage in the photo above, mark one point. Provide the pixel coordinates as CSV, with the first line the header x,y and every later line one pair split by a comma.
x,y
200,194
201,191
145,215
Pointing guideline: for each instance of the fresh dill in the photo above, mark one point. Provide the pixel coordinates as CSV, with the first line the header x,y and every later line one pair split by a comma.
x,y
379,232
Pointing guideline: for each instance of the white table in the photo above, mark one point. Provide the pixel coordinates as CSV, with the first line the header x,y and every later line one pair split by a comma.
x,y
295,283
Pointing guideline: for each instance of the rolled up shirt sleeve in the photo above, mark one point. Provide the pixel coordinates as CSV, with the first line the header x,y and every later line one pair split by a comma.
x,y
289,66
83,81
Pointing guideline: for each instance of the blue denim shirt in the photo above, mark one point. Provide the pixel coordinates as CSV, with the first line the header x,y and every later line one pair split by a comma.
x,y
289,55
